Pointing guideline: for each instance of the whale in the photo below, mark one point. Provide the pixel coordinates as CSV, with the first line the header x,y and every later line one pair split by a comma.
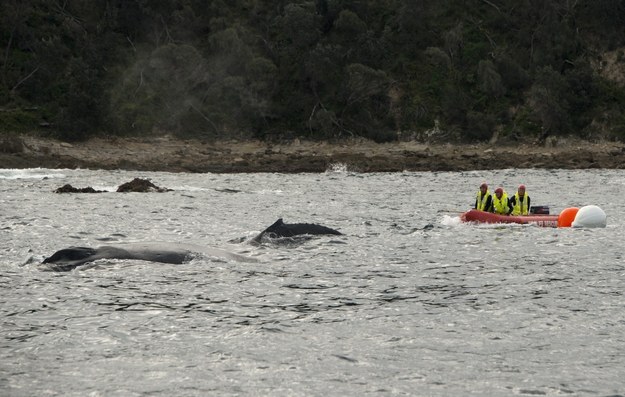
x,y
70,258
280,229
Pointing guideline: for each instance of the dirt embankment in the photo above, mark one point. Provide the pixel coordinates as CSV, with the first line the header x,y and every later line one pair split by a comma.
x,y
166,154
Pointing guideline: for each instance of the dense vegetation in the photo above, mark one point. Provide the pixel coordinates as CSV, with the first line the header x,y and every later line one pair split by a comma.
x,y
462,70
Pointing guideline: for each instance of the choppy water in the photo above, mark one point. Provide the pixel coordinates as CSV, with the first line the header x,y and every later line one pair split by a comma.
x,y
394,307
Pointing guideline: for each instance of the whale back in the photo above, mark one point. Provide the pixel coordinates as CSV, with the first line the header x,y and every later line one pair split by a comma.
x,y
71,254
70,258
146,252
281,229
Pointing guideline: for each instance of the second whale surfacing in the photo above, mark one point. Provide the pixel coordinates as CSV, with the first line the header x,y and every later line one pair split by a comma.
x,y
280,229
72,257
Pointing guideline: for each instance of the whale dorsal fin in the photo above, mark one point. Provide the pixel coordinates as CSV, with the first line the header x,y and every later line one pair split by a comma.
x,y
277,224
71,254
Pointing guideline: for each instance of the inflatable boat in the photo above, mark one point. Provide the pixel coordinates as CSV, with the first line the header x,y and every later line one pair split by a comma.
x,y
587,216
488,217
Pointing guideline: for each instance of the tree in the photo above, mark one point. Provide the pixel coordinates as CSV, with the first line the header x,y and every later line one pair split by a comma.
x,y
548,102
366,104
161,90
489,79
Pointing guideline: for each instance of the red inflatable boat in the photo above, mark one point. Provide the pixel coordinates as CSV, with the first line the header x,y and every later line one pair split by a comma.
x,y
488,217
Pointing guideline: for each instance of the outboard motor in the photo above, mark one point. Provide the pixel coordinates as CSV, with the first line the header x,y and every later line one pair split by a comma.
x,y
539,209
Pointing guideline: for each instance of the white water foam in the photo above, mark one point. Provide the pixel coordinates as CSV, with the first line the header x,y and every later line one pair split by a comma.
x,y
30,173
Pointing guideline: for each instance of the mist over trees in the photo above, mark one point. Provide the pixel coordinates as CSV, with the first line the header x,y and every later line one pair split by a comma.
x,y
457,70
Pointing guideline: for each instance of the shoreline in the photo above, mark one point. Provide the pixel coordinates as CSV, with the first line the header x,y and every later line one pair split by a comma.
x,y
357,155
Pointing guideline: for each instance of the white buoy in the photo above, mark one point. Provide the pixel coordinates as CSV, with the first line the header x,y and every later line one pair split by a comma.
x,y
590,216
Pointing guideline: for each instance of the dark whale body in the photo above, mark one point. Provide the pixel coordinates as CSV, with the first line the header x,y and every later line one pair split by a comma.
x,y
72,257
281,229
76,256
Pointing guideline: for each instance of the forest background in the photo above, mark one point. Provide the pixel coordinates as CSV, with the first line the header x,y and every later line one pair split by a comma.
x,y
428,70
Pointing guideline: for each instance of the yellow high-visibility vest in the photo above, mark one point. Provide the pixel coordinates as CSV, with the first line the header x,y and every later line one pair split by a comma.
x,y
481,200
500,206
520,205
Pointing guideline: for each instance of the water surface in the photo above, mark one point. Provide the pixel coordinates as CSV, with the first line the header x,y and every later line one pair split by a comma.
x,y
408,302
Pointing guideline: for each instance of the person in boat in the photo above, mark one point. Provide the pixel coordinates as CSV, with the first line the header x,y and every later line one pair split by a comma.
x,y
520,202
484,199
501,204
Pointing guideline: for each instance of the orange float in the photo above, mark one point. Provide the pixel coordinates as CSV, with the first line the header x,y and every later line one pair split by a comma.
x,y
567,216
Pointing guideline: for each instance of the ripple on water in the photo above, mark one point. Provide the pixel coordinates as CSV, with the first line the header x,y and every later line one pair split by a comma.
x,y
408,300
